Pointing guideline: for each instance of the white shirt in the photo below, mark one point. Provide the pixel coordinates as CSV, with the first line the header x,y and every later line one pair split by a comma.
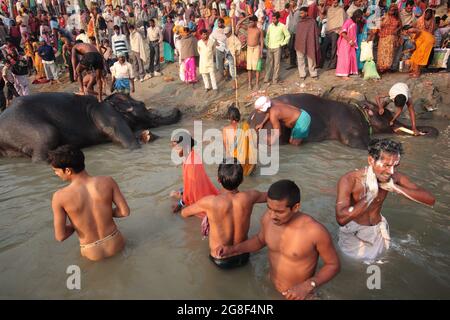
x,y
122,71
399,88
154,34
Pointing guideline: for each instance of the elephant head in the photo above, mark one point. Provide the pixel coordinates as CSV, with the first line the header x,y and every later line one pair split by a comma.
x,y
381,123
137,115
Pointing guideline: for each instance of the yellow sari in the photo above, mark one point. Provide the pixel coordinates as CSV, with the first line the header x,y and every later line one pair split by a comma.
x,y
242,146
40,73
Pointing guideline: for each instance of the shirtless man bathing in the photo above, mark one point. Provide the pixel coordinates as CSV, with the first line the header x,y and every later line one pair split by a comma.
x,y
87,202
295,241
228,213
92,59
364,232
281,113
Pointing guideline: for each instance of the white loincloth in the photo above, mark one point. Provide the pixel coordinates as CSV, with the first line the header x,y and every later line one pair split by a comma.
x,y
364,242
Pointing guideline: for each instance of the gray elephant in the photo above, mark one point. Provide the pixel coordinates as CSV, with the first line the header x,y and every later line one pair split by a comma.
x,y
35,124
351,124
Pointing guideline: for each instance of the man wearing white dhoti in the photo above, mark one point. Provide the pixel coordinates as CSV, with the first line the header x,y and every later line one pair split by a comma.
x,y
364,232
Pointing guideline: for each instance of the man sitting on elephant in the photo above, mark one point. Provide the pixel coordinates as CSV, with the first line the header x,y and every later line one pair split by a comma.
x,y
88,202
290,116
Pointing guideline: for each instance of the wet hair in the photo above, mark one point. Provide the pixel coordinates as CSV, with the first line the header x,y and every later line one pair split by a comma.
x,y
285,190
400,100
376,146
67,156
179,138
233,114
230,174
357,14
203,31
304,9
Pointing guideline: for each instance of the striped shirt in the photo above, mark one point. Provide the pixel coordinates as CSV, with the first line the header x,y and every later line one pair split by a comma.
x,y
119,43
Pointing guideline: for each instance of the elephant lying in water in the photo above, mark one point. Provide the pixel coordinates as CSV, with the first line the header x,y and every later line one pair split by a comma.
x,y
35,124
351,124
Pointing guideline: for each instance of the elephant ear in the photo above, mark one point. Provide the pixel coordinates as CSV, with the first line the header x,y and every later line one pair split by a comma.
x,y
121,102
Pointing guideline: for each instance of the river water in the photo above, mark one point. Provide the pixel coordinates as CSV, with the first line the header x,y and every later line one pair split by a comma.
x,y
165,257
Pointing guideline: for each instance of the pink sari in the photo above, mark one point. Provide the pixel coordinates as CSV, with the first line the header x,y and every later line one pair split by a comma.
x,y
190,70
346,54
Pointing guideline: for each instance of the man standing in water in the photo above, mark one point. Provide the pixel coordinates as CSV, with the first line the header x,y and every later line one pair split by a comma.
x,y
87,201
291,117
295,241
228,213
364,232
91,59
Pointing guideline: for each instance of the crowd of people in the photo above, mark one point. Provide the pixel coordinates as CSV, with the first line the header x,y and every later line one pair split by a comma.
x,y
215,38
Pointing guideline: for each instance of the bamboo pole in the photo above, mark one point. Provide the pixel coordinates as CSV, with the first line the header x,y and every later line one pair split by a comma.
x,y
232,14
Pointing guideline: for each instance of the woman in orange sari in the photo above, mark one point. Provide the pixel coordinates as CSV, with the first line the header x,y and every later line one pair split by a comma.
x,y
389,31
196,183
424,42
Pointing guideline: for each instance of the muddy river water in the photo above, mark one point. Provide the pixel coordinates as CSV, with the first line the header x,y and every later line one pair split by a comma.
x,y
165,256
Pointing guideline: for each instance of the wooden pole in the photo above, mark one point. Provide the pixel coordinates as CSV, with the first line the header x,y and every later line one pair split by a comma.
x,y
232,14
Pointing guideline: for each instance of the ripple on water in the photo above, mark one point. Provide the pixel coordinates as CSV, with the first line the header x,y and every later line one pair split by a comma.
x,y
166,257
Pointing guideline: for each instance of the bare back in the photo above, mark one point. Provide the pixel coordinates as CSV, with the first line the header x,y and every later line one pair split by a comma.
x,y
89,207
229,217
83,48
284,113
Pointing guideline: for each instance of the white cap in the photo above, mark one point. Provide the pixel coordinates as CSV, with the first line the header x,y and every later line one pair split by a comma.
x,y
263,104
226,30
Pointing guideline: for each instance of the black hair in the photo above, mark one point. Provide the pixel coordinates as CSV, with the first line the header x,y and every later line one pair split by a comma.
x,y
116,27
285,190
376,146
287,5
410,3
357,14
276,15
67,156
79,41
152,20
203,31
180,137
82,31
254,18
230,174
221,20
400,100
407,27
233,114
131,26
304,9
92,38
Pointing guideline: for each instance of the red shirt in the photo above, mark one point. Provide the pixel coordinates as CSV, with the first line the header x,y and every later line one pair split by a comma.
x,y
284,14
